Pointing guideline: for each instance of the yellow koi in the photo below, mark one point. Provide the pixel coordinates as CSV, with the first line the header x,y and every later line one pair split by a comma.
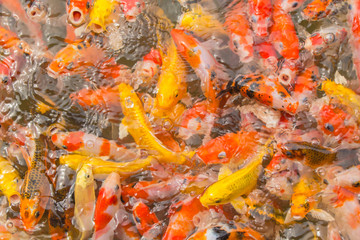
x,y
344,95
9,180
84,200
171,87
140,129
100,166
239,183
304,201
101,14
201,23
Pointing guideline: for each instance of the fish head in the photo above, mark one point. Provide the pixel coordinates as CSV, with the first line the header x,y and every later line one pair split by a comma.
x,y
31,210
187,46
214,195
112,185
291,5
260,24
85,176
77,11
335,121
37,11
169,91
65,61
242,46
132,8
316,10
318,42
300,206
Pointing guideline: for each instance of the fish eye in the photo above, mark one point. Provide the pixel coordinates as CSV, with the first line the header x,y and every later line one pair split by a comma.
x,y
222,155
329,127
295,4
68,2
117,187
253,19
138,5
37,214
87,176
88,5
5,79
289,154
306,206
329,38
357,184
122,6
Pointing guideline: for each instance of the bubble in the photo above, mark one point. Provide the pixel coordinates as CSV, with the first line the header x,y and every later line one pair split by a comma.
x,y
90,144
129,103
277,167
321,171
167,124
278,187
237,218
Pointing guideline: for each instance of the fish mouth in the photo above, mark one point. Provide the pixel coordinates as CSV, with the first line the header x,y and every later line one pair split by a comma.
x,y
37,12
130,18
96,28
76,17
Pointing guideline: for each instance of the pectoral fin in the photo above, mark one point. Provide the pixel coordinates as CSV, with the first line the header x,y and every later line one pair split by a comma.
x,y
321,215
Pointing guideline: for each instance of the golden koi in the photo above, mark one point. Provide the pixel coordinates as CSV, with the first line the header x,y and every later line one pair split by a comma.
x,y
9,181
140,129
171,87
239,183
101,14
100,166
85,200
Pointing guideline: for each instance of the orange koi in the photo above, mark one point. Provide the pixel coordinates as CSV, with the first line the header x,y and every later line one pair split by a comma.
x,y
229,148
75,57
265,90
286,42
238,27
317,9
78,11
143,217
35,191
260,12
305,85
90,144
9,40
204,64
354,22
181,218
132,8
107,205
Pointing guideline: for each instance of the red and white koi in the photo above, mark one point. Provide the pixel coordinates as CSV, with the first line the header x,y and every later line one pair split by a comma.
x,y
132,8
90,144
107,205
260,14
238,27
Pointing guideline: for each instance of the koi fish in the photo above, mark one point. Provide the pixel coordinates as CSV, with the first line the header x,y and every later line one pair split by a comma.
x,y
181,221
228,147
77,11
132,8
226,231
317,9
238,28
91,145
9,40
265,90
149,66
305,85
107,205
304,201
353,20
268,55
144,219
315,155
289,5
335,122
201,23
101,14
239,183
35,190
349,179
103,167
260,13
171,86
9,181
36,10
346,208
325,39
286,42
140,129
84,201
204,64
75,57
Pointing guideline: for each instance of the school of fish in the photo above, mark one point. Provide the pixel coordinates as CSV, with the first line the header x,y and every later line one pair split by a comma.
x,y
175,120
